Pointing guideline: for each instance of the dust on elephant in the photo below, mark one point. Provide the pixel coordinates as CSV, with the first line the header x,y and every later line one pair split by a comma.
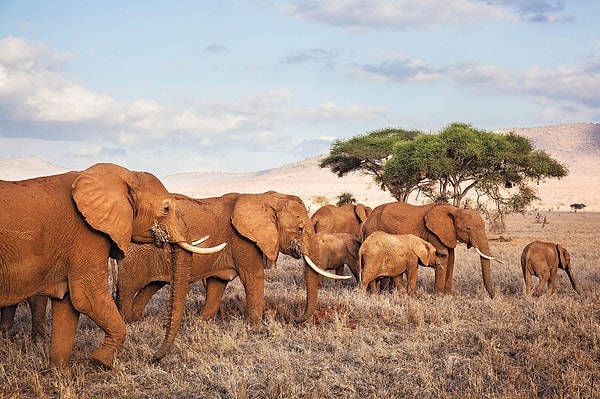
x,y
442,225
345,218
37,306
334,250
255,226
390,255
543,259
56,234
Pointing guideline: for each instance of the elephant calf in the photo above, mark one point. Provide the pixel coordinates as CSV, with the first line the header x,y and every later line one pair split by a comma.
x,y
390,255
543,259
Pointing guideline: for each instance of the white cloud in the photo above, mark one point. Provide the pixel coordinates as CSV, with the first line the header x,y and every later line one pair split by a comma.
x,y
396,14
33,91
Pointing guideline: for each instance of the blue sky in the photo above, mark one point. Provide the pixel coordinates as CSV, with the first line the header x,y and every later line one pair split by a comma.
x,y
184,86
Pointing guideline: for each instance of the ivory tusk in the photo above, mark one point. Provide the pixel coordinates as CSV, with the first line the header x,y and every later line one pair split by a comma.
x,y
200,240
487,256
199,250
323,272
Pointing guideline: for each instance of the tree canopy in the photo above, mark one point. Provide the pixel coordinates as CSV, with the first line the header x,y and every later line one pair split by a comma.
x,y
446,166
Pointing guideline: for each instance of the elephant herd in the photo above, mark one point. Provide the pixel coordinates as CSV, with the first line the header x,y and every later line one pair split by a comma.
x,y
58,232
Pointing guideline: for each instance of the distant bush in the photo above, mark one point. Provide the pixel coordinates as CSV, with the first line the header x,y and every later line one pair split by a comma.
x,y
575,207
345,198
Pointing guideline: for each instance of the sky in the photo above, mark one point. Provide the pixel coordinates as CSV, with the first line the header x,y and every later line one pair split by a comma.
x,y
237,86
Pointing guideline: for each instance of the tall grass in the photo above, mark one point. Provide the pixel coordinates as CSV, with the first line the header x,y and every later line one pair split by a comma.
x,y
464,345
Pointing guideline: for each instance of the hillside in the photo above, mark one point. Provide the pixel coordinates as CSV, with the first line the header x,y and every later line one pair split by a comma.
x,y
575,145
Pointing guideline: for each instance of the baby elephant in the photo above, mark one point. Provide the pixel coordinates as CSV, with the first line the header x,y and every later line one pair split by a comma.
x,y
390,255
543,259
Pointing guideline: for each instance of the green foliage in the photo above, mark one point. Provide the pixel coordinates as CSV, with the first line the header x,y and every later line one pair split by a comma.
x,y
345,198
366,153
447,166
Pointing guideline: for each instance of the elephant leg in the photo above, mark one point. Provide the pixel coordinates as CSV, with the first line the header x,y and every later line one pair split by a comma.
x,y
254,285
340,270
527,279
38,305
552,284
64,327
544,276
215,288
373,287
7,317
140,301
397,283
449,272
99,306
411,282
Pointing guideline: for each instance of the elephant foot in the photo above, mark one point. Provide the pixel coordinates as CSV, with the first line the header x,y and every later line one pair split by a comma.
x,y
103,358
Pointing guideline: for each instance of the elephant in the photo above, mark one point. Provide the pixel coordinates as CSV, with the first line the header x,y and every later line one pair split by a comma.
x,y
442,225
390,255
56,234
340,219
37,305
334,250
255,226
543,259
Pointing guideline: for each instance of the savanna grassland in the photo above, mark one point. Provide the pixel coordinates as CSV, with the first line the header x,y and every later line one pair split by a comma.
x,y
464,345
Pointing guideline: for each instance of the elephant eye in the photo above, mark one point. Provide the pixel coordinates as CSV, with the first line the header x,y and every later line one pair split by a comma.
x,y
300,229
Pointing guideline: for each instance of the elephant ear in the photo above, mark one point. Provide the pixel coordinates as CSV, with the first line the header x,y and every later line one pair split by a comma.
x,y
422,250
362,212
103,194
440,221
563,257
256,219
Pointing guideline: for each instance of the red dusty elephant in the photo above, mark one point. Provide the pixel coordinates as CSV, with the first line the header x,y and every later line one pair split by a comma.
x,y
57,233
255,227
442,225
543,259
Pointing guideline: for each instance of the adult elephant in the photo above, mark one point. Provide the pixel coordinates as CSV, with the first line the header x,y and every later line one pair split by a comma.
x,y
442,225
345,218
255,226
56,234
340,219
334,250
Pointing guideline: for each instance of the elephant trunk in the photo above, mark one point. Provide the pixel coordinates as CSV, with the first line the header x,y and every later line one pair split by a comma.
x,y
486,269
182,264
573,283
312,286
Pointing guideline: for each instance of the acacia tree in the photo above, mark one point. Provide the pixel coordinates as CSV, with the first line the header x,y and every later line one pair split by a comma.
x,y
447,166
368,154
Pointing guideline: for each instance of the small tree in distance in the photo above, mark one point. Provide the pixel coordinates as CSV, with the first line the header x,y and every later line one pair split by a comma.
x,y
576,207
345,198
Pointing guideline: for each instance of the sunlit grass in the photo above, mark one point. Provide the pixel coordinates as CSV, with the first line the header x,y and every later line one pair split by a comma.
x,y
464,345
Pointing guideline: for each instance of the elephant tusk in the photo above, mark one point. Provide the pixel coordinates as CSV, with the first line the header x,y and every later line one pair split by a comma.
x,y
323,272
202,251
200,240
487,256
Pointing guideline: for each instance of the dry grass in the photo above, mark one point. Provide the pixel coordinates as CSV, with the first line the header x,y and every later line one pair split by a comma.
x,y
460,346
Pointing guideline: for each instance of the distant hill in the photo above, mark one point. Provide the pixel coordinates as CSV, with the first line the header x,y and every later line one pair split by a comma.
x,y
26,168
575,145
